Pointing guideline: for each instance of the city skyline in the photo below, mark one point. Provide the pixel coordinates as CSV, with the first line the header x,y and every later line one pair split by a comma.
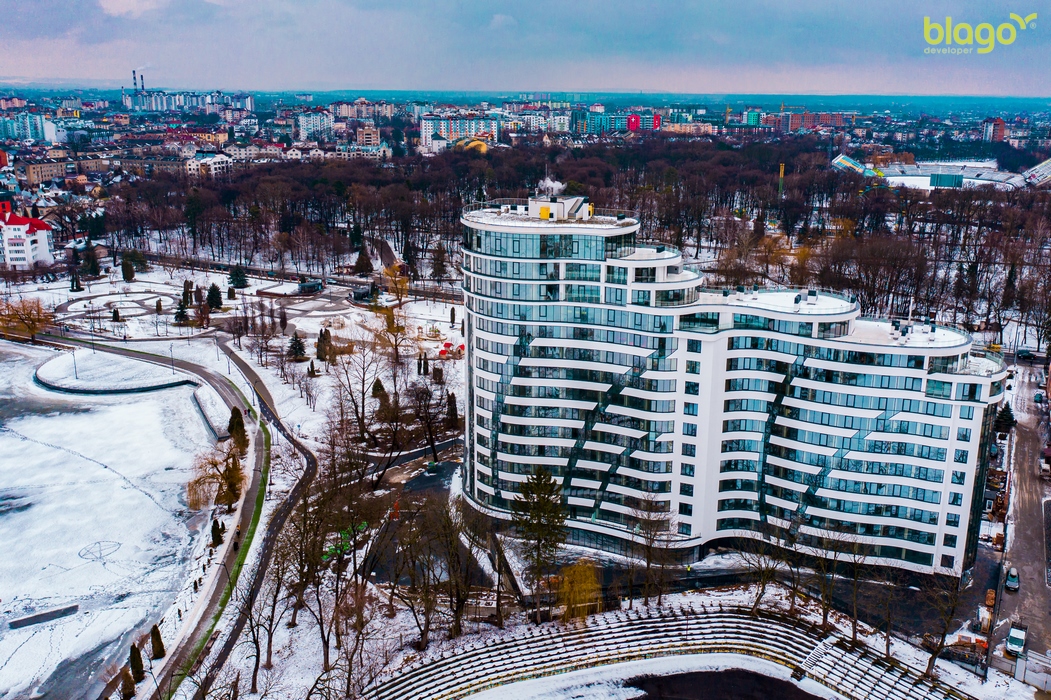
x,y
758,47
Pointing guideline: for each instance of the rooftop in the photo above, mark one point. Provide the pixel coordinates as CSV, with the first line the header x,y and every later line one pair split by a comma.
x,y
879,332
783,300
547,211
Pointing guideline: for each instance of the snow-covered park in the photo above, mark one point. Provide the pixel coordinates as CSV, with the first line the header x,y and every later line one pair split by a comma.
x,y
92,514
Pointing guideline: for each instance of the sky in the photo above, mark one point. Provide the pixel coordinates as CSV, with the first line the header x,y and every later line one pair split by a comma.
x,y
738,46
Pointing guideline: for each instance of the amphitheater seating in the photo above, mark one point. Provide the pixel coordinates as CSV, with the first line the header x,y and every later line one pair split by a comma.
x,y
631,635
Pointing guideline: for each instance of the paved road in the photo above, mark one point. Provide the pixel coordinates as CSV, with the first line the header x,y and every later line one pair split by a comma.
x,y
1028,550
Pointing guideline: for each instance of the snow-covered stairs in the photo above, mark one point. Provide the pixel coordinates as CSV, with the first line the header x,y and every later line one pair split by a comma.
x,y
631,635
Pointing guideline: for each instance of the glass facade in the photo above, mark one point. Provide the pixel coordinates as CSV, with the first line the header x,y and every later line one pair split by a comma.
x,y
607,363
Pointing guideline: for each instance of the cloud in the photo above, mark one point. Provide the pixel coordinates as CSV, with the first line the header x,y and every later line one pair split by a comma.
x,y
500,22
130,8
692,46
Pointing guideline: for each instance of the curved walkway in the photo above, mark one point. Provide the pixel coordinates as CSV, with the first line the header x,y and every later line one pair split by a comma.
x,y
631,635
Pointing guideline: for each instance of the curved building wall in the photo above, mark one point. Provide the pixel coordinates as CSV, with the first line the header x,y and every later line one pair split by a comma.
x,y
777,414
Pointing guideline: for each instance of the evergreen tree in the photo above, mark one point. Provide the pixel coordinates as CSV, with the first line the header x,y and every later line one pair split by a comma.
x,y
231,293
322,345
378,390
452,418
115,315
236,428
238,278
127,271
439,266
90,266
158,307
156,643
296,347
138,260
74,281
217,534
181,314
187,290
138,673
1005,419
452,315
539,519
363,265
283,320
127,684
215,297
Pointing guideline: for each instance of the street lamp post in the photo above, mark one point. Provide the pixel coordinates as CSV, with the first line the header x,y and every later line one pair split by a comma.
x,y
74,355
171,352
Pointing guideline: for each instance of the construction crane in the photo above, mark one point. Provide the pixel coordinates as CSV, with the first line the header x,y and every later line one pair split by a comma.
x,y
802,107
726,118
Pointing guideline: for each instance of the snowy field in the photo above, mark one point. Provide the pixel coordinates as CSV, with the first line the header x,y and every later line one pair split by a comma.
x,y
84,370
92,513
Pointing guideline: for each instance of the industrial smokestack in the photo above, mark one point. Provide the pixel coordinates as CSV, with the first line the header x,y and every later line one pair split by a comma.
x,y
134,80
142,81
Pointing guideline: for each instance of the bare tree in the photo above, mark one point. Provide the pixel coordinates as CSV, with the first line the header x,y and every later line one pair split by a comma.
x,y
652,531
942,595
421,566
427,409
356,372
761,559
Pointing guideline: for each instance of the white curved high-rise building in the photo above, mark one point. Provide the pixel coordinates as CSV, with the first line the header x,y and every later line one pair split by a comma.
x,y
777,413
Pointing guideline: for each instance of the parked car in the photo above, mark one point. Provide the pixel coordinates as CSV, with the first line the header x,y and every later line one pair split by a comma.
x,y
1012,581
1024,354
1016,638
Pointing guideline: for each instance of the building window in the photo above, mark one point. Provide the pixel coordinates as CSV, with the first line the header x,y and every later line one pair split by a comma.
x,y
686,470
693,346
963,434
939,390
690,409
616,275
961,456
685,489
640,297
684,528
959,478
685,509
693,367
689,450
689,429
947,561
955,499
693,388
646,274
950,540
968,392
967,412
952,520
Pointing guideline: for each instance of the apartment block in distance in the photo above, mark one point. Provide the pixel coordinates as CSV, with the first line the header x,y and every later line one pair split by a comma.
x,y
25,242
781,414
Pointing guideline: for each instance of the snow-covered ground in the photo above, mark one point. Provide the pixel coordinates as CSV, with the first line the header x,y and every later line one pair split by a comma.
x,y
92,513
85,370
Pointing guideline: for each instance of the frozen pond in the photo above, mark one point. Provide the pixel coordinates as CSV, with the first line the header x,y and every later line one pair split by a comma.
x,y
92,513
